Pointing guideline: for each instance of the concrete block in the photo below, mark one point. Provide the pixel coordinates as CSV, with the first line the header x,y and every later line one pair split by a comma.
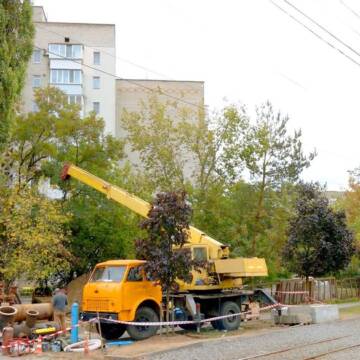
x,y
288,319
305,314
323,313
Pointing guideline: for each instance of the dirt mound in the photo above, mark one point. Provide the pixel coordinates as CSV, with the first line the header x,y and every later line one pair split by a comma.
x,y
75,288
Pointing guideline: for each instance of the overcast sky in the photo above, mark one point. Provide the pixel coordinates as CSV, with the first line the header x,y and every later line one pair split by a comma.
x,y
247,51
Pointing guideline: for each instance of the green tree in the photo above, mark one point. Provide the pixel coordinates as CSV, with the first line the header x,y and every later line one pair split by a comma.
x,y
40,145
319,241
182,147
42,141
272,157
101,229
16,45
153,134
33,235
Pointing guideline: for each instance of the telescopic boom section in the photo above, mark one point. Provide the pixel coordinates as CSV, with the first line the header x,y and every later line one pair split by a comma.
x,y
216,249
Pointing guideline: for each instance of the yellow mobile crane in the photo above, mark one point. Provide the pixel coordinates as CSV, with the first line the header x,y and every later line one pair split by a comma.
x,y
221,279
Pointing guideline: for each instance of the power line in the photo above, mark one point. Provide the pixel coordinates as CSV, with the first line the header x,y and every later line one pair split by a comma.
x,y
322,27
143,67
349,8
127,80
315,34
112,55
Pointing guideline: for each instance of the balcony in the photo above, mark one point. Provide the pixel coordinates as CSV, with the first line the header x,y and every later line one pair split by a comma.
x,y
65,51
70,89
64,64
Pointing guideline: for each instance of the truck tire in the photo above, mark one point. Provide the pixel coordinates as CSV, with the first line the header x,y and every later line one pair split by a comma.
x,y
111,331
230,323
143,314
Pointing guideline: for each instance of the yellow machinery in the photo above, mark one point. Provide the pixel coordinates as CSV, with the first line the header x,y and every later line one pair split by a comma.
x,y
223,272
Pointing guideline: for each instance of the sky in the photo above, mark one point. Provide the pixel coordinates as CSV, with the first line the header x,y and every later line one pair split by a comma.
x,y
248,52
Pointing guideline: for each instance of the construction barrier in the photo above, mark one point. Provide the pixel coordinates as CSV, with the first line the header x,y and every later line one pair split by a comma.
x,y
36,343
186,322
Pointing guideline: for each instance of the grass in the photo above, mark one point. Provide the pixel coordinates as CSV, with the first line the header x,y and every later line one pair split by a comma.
x,y
350,312
343,301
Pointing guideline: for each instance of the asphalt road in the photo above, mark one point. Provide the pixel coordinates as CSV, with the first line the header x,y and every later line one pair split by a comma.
x,y
338,340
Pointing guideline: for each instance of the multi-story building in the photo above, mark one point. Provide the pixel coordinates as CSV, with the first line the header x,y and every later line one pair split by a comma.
x,y
80,59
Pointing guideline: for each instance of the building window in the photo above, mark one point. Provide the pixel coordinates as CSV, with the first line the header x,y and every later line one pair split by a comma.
x,y
75,99
37,56
96,82
35,107
96,107
96,57
36,81
65,51
65,76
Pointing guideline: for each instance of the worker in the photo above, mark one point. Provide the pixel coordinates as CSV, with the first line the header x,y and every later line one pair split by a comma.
x,y
59,302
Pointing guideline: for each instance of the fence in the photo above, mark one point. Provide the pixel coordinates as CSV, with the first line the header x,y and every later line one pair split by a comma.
x,y
293,291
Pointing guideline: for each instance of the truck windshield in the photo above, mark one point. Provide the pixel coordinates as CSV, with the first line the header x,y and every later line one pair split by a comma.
x,y
108,274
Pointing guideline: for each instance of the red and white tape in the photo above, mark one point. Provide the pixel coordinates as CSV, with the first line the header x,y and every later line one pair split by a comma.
x,y
45,337
291,292
186,322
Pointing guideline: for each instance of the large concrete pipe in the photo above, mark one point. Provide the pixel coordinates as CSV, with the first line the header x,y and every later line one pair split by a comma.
x,y
45,311
25,328
31,317
7,315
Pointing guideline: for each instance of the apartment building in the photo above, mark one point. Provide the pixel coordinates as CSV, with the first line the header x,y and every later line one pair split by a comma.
x,y
80,59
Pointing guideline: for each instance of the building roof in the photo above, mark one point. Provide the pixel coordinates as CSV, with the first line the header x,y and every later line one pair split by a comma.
x,y
73,23
162,80
40,8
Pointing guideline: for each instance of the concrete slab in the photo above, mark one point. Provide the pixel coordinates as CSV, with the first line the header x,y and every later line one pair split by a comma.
x,y
323,313
305,314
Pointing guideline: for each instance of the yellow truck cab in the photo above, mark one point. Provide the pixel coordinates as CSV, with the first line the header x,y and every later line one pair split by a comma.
x,y
121,290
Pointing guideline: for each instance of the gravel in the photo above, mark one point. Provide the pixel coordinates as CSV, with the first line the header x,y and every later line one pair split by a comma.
x,y
341,333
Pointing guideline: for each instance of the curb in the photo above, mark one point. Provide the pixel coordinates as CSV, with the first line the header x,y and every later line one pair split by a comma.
x,y
146,356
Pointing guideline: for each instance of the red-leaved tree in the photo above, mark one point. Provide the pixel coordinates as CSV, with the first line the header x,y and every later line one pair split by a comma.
x,y
167,229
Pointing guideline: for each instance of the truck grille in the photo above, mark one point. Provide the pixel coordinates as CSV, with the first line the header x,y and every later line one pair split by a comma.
x,y
100,305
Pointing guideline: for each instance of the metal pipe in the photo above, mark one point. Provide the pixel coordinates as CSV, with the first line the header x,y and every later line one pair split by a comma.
x,y
74,323
45,311
7,315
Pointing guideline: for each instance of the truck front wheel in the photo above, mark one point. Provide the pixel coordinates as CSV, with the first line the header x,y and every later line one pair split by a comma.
x,y
110,331
229,323
141,332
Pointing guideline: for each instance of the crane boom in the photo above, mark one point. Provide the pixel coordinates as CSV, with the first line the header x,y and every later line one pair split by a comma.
x,y
141,207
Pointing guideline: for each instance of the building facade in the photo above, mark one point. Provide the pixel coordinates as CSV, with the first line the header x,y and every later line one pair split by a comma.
x,y
77,58
80,59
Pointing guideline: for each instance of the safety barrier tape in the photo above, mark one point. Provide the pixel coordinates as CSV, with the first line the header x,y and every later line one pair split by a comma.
x,y
186,322
159,323
291,292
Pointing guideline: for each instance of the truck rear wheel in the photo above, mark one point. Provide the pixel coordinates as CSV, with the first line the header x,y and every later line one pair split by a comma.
x,y
229,323
110,331
143,314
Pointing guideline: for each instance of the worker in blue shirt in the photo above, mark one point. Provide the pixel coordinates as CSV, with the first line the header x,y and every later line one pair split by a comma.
x,y
59,302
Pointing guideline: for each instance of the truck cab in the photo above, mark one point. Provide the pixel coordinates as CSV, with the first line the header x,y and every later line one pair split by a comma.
x,y
121,290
